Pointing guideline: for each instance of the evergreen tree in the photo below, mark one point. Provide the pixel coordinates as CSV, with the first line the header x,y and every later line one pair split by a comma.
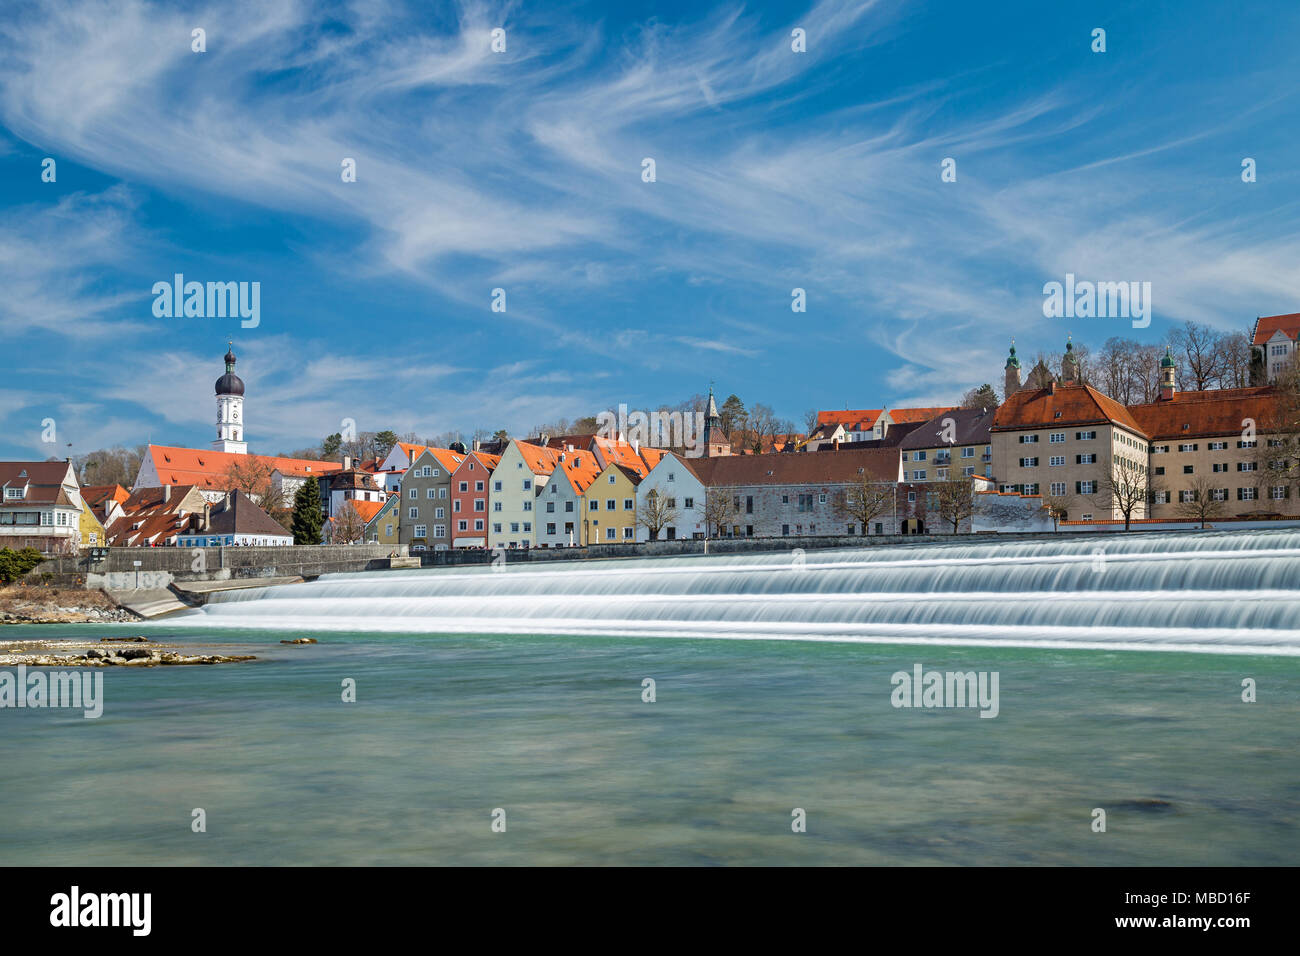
x,y
329,448
732,413
307,517
384,442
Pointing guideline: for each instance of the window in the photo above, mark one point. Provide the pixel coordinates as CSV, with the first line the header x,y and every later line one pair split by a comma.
x,y
496,527
611,534
941,474
462,525
1056,460
388,529
629,504
1057,437
595,505
1278,492
611,479
1087,517
1187,470
610,504
1028,462
442,492
1085,487
420,531
1085,459
687,502
1278,350
1058,488
1029,439
1085,436
424,472
480,505
628,533
1247,444
905,456
496,485
568,506
528,484
478,524
821,500
496,506
528,506
432,493
464,486
1191,447
413,513
1218,445
1246,494
1245,466
918,476
920,456
528,527
1160,469
550,507
1160,498
514,527
1187,495
968,470
671,476
439,512
1219,466
415,493
550,527
911,496
455,506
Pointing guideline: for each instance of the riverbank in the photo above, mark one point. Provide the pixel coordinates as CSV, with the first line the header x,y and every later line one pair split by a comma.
x,y
27,604
106,652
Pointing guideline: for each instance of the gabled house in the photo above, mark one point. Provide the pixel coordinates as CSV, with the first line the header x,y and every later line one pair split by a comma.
x,y
40,506
234,521
156,517
425,515
519,478
386,526
469,499
953,444
210,471
560,506
611,514
1275,343
680,511
105,501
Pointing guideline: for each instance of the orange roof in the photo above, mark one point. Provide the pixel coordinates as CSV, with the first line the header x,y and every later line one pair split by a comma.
x,y
366,509
537,459
96,495
1267,325
901,415
1061,405
581,468
489,462
208,469
159,519
863,418
1218,412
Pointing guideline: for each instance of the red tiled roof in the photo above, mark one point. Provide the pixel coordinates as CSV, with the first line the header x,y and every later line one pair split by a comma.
x,y
44,481
843,467
1267,325
208,469
581,468
1211,413
901,415
1077,405
538,459
161,516
857,420
366,509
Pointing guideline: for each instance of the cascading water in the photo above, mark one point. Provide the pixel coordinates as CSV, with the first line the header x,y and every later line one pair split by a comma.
x,y
1225,592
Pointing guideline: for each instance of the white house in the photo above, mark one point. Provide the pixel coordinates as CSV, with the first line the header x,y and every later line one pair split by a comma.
x,y
683,493
559,506
517,480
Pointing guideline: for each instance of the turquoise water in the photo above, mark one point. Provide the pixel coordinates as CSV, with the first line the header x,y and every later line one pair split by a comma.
x,y
554,731
550,724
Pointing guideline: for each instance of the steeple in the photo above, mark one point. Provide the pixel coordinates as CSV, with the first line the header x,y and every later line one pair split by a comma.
x,y
1069,363
715,438
1168,387
1012,382
230,409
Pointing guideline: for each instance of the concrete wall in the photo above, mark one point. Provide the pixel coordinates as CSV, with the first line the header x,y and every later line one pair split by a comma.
x,y
159,567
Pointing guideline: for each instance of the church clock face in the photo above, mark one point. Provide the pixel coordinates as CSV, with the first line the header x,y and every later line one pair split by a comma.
x,y
234,414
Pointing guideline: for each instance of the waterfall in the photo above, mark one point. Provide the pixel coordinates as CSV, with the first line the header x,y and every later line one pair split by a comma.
x,y
1225,592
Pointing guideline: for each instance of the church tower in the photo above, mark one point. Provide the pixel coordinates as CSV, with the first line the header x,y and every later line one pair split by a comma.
x,y
1070,364
1012,383
230,410
716,442
1167,384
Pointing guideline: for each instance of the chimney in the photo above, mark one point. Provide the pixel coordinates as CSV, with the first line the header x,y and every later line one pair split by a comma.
x,y
561,458
347,462
1051,387
636,446
167,493
207,517
477,444
543,438
410,457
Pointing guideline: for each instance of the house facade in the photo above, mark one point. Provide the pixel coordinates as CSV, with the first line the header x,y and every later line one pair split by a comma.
x,y
1274,343
611,503
40,506
520,477
235,521
954,443
386,526
425,514
683,495
561,504
469,500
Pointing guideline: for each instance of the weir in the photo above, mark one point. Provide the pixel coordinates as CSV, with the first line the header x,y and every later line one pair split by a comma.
x,y
1223,592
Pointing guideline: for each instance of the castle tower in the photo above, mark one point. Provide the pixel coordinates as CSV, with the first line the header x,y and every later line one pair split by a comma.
x,y
230,410
1012,382
1069,364
1167,385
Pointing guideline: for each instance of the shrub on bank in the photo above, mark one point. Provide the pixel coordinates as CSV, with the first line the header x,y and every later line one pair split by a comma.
x,y
14,564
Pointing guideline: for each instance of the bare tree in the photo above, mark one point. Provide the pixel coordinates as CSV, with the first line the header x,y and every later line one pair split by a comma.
x,y
1197,501
346,526
655,511
717,509
1234,359
954,501
810,420
1058,508
865,500
1127,486
1201,353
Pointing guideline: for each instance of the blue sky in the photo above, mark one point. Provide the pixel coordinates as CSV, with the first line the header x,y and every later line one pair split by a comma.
x,y
522,170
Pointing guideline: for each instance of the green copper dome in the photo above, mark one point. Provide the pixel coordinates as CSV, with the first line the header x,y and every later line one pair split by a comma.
x,y
1167,361
1012,361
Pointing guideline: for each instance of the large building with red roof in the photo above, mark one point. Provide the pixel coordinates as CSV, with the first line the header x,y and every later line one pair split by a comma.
x,y
1275,341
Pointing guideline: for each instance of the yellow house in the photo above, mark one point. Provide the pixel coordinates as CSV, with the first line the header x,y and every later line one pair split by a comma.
x,y
610,517
384,527
92,531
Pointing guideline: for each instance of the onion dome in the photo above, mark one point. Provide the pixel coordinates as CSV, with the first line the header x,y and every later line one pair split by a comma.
x,y
230,383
